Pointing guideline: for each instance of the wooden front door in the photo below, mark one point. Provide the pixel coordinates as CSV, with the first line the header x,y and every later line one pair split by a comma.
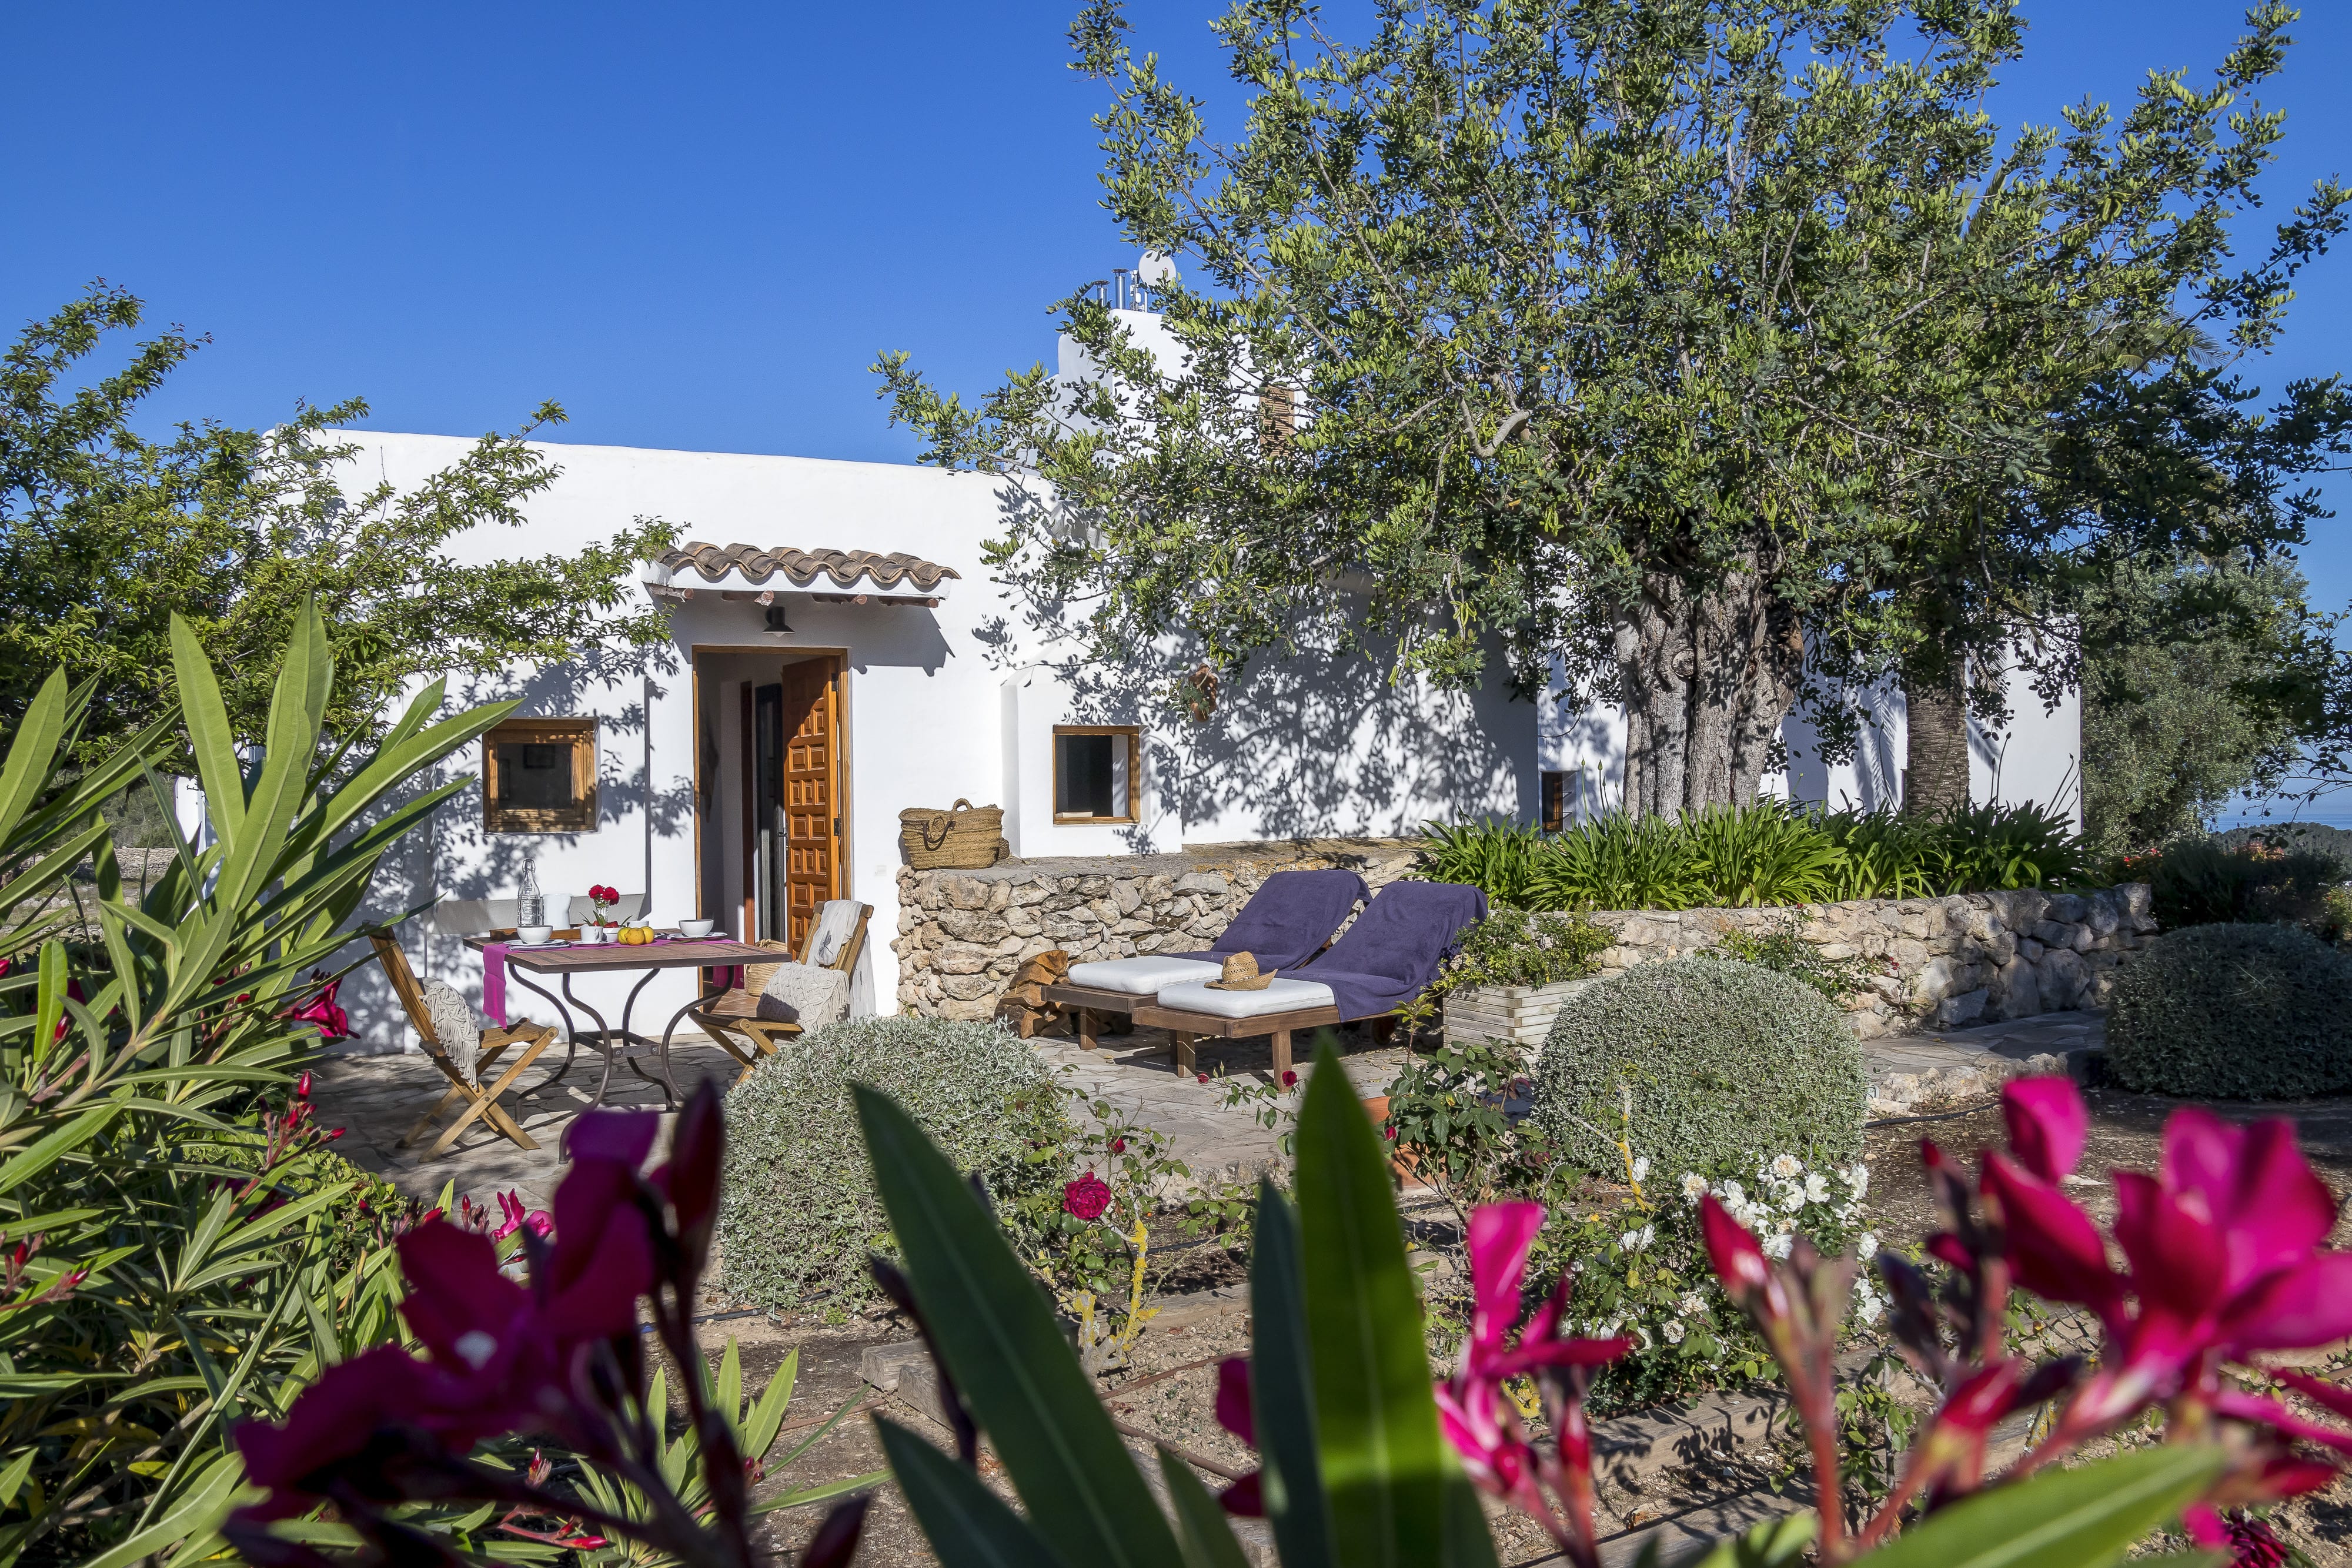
x,y
812,780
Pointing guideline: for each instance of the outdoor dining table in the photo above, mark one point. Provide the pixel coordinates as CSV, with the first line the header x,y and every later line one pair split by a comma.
x,y
562,962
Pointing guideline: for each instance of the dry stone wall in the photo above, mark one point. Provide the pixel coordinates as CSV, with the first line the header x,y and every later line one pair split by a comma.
x,y
1943,963
961,933
1939,962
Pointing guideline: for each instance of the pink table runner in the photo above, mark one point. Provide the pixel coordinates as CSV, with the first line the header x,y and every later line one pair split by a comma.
x,y
493,975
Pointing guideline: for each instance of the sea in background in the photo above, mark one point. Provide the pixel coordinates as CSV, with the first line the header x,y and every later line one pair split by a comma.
x,y
2330,811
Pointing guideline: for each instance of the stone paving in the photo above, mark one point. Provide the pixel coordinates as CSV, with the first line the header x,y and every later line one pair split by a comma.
x,y
1946,1068
375,1098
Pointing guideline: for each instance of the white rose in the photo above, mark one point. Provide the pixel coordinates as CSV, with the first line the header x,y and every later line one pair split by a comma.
x,y
1857,1176
1817,1188
1868,1245
1672,1331
1641,1168
1778,1246
1733,1194
1692,1306
1788,1167
1792,1199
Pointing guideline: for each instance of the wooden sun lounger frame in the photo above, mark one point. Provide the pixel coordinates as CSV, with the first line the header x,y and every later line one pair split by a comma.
x,y
1186,1028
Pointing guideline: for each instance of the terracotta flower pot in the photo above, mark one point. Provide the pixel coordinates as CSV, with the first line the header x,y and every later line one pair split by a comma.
x,y
1404,1159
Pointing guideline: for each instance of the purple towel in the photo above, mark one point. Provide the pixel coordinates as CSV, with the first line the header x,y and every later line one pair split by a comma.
x,y
1393,951
1287,919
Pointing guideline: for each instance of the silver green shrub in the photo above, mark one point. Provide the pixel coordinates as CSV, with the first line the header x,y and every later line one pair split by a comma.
x,y
2233,1012
798,1213
1726,1065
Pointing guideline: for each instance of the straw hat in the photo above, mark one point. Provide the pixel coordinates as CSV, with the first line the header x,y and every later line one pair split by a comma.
x,y
1241,975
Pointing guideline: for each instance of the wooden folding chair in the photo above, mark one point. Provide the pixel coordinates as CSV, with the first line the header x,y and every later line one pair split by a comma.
x,y
732,1019
479,1101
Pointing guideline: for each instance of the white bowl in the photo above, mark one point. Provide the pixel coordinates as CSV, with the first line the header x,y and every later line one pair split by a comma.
x,y
534,933
695,927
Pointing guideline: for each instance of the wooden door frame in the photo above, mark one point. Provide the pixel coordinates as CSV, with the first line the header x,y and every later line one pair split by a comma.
x,y
844,766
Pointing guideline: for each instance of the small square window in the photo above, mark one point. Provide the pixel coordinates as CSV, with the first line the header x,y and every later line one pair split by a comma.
x,y
539,776
1096,775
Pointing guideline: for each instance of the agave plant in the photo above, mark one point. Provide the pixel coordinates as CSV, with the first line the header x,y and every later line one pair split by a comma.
x,y
175,1246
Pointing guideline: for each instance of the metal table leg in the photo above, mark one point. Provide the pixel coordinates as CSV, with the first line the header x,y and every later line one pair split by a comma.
x,y
571,1035
707,993
665,1083
604,1040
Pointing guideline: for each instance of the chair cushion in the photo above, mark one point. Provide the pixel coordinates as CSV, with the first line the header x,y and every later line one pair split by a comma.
x,y
804,994
1280,995
1142,975
457,1026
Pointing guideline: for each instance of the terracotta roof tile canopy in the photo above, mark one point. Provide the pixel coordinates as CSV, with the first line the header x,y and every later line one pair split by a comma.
x,y
737,571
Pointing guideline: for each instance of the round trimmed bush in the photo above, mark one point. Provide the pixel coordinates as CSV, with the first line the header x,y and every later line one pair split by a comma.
x,y
798,1212
2233,1012
1728,1065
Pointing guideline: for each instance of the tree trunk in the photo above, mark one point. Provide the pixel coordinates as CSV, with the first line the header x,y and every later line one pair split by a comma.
x,y
1935,741
1705,682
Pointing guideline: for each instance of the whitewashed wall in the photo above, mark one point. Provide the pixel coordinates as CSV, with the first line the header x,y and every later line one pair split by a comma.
x,y
940,704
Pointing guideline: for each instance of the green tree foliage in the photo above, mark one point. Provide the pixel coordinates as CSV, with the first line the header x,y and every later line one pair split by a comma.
x,y
2201,678
1655,334
106,533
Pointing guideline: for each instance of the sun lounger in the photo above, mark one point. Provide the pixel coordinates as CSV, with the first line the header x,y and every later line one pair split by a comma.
x,y
1286,923
1387,958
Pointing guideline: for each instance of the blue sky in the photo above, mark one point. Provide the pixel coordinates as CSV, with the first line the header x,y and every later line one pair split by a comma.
x,y
695,226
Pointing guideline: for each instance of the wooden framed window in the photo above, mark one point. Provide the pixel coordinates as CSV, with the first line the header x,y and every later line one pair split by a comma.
x,y
1097,773
1555,802
539,776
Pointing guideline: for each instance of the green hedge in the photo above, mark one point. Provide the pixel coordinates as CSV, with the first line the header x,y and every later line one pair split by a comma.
x,y
798,1211
2233,1012
1729,1065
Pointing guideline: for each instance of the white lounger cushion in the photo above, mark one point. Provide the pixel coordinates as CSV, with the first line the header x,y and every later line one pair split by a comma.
x,y
1280,995
1142,975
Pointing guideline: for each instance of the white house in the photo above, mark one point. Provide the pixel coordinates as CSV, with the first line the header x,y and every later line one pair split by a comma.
x,y
839,654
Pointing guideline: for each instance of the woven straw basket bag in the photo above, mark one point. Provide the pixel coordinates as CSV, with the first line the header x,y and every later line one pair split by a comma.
x,y
964,837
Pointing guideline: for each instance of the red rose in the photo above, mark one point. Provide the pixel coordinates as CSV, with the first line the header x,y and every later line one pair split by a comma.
x,y
1086,1197
1204,1077
1119,1145
1288,1077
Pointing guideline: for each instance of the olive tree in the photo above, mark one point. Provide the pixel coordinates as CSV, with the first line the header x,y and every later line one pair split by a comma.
x,y
1660,336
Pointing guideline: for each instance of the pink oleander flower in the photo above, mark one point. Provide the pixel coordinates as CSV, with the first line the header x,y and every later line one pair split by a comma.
x,y
2222,1248
1086,1197
515,1218
2250,1542
1479,1416
1246,1496
503,1356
